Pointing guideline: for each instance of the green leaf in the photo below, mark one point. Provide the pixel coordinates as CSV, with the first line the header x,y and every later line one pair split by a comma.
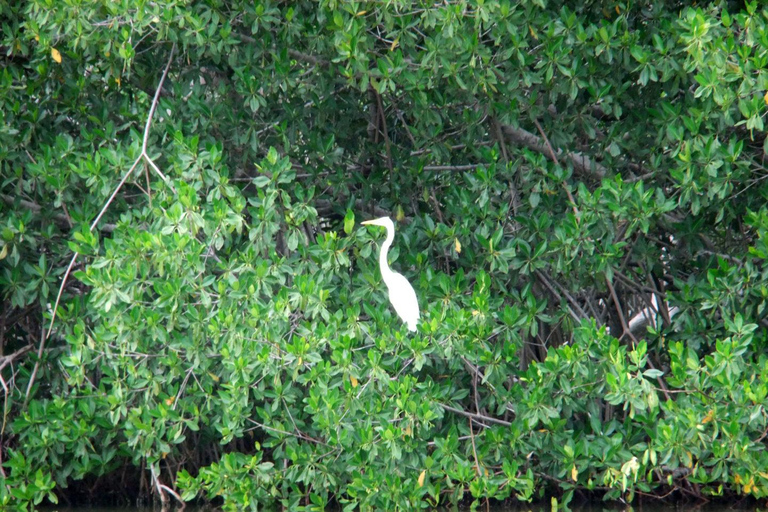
x,y
261,181
349,222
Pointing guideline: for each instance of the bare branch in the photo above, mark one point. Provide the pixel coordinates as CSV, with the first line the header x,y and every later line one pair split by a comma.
x,y
580,162
6,360
557,162
474,416
95,222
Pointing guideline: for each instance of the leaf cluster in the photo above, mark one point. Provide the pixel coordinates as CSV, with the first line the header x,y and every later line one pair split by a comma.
x,y
579,190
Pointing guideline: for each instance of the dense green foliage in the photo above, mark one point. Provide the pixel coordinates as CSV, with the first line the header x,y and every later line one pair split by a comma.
x,y
555,167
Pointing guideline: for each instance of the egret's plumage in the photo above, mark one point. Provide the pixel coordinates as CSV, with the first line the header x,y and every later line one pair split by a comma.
x,y
401,293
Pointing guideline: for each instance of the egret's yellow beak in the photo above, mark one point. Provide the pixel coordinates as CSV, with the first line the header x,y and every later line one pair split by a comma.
x,y
366,222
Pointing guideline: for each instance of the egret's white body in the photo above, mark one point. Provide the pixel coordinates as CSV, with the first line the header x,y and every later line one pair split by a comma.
x,y
401,293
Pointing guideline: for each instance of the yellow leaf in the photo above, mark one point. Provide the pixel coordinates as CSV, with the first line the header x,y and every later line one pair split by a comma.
x,y
457,245
765,98
618,11
399,213
533,33
763,474
214,377
4,252
737,479
421,477
361,13
117,80
300,361
408,430
56,55
574,473
37,38
353,380
394,44
709,417
169,401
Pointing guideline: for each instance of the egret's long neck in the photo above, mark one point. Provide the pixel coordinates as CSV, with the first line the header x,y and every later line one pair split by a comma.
x,y
383,265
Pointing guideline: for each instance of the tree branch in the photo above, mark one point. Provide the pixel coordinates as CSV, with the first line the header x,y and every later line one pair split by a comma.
x,y
474,416
580,162
311,59
6,360
143,156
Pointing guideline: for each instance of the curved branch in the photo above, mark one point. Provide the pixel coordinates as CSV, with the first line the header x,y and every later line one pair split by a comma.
x,y
6,360
580,162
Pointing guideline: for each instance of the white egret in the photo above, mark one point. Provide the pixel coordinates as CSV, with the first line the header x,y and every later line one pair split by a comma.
x,y
401,293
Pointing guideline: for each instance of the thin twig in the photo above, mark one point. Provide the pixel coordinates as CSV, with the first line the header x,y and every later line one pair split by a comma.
x,y
474,416
616,302
628,332
569,299
6,360
436,205
174,494
383,129
5,407
298,434
580,162
557,162
66,214
474,449
141,156
465,167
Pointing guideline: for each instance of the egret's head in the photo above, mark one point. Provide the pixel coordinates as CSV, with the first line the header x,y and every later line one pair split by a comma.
x,y
384,222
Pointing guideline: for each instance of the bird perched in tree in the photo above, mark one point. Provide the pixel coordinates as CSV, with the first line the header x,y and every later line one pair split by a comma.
x,y
401,293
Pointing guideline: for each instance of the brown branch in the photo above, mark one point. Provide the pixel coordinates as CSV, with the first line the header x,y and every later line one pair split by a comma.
x,y
552,154
383,129
305,57
500,137
298,434
580,162
474,449
514,196
627,331
554,158
479,417
616,302
66,214
436,205
466,167
6,360
541,275
407,128
317,61
162,489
